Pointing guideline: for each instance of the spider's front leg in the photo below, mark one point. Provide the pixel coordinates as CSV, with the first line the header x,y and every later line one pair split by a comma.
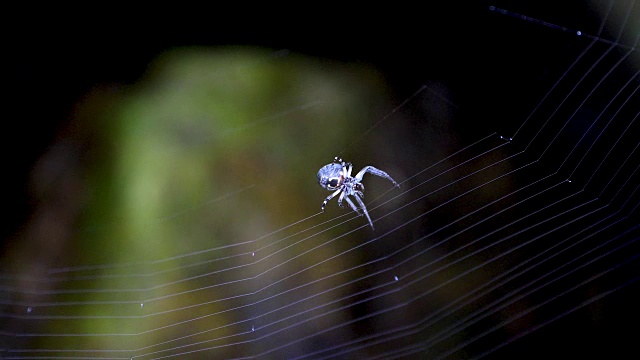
x,y
364,209
347,167
324,203
375,171
340,199
353,206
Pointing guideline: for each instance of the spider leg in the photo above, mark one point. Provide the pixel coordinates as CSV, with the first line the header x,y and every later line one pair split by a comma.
x,y
345,172
374,171
324,203
364,209
347,167
353,206
340,199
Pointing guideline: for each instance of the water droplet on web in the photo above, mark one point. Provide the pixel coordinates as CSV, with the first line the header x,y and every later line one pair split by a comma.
x,y
396,278
141,305
29,309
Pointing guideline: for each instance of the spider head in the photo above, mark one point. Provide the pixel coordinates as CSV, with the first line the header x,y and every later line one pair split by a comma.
x,y
330,176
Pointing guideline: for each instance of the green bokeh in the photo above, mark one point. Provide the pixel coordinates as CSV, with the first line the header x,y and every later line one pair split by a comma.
x,y
213,147
247,127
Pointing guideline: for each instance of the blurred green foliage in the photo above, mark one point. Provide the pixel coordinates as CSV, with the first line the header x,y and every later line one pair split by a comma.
x,y
212,148
218,146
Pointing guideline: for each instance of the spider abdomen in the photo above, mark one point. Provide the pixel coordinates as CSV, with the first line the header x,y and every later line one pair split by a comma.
x,y
330,176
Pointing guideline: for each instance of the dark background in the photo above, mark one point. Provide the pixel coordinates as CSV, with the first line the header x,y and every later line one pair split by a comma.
x,y
50,63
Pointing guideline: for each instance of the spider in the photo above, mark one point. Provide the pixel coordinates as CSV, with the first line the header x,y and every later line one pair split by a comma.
x,y
337,176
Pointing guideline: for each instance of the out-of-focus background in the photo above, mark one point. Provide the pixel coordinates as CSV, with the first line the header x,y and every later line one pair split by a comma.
x,y
138,164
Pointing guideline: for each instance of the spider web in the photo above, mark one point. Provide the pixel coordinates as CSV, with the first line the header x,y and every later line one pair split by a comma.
x,y
514,237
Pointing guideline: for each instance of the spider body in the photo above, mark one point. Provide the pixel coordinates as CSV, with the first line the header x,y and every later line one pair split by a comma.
x,y
337,177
